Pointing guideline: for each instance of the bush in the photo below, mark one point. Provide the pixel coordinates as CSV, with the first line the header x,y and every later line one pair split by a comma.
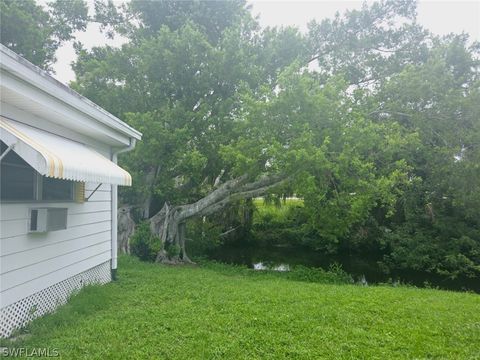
x,y
144,244
450,255
173,250
283,224
202,236
334,275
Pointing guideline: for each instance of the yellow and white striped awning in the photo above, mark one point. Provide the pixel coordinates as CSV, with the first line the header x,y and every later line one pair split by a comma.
x,y
58,157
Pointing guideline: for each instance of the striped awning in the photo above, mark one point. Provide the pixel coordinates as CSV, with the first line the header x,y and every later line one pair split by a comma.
x,y
58,157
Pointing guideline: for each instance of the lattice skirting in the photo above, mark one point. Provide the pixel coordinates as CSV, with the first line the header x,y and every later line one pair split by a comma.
x,y
18,314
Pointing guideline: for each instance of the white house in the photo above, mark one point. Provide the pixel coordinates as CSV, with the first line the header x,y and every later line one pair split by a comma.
x,y
58,184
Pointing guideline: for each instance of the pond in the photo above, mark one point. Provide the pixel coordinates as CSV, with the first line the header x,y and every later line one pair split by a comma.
x,y
361,268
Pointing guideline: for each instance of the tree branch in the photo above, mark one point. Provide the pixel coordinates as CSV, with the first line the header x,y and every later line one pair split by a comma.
x,y
213,208
223,191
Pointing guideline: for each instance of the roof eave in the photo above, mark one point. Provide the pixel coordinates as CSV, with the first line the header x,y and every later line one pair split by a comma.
x,y
23,69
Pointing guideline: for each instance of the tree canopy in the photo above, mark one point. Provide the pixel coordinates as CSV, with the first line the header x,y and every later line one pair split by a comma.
x,y
35,32
369,118
380,139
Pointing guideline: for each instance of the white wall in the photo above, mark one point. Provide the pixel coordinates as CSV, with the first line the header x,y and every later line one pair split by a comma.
x,y
30,262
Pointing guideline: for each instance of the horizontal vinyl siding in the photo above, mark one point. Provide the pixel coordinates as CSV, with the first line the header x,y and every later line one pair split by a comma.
x,y
30,262
21,243
45,267
37,284
18,260
16,228
11,212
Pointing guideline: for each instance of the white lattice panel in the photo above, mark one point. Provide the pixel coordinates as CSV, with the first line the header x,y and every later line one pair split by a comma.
x,y
18,314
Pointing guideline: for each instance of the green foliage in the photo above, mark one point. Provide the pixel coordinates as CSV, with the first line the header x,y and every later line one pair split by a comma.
x,y
144,244
213,17
281,224
173,251
436,227
280,209
447,252
202,236
212,312
334,275
370,44
380,140
178,82
35,32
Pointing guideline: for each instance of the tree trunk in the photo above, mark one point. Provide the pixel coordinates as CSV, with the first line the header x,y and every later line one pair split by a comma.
x,y
126,228
169,223
248,214
149,183
182,232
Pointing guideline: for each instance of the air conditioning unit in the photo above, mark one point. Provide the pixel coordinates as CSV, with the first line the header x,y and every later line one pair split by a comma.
x,y
47,219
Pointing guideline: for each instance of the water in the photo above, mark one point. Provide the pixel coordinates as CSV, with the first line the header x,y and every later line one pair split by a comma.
x,y
268,266
361,268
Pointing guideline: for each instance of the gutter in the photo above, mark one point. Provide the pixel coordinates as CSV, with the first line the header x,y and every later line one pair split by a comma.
x,y
114,210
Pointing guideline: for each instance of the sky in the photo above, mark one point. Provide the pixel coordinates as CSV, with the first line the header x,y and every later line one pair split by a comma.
x,y
440,17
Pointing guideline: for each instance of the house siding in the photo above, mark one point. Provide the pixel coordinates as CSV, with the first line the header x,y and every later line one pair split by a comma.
x,y
39,271
30,262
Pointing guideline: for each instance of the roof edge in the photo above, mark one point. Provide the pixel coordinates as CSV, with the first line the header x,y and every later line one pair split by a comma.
x,y
39,78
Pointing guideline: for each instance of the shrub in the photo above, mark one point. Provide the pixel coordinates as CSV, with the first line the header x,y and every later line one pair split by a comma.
x,y
202,236
144,244
334,275
280,224
173,250
433,251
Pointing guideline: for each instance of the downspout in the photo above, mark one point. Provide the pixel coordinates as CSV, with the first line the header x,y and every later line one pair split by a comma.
x,y
114,211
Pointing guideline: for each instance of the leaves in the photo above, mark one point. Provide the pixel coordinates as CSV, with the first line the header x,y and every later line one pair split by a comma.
x,y
381,138
35,32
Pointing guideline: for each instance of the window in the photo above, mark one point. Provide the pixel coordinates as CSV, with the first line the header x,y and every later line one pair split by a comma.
x,y
20,182
56,189
17,180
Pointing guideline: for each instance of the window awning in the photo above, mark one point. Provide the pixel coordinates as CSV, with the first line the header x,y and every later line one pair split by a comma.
x,y
55,156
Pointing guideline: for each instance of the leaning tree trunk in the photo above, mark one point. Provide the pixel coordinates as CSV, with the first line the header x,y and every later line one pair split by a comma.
x,y
169,222
169,225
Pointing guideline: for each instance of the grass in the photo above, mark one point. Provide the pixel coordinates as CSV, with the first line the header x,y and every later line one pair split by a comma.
x,y
221,312
279,213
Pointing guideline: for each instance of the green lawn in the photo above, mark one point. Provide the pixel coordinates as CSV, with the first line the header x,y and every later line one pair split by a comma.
x,y
279,213
216,312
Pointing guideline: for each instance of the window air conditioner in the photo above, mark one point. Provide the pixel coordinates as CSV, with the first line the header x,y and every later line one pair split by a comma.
x,y
47,219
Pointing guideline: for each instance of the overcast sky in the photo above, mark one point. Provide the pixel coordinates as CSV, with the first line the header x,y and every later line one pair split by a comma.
x,y
440,17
